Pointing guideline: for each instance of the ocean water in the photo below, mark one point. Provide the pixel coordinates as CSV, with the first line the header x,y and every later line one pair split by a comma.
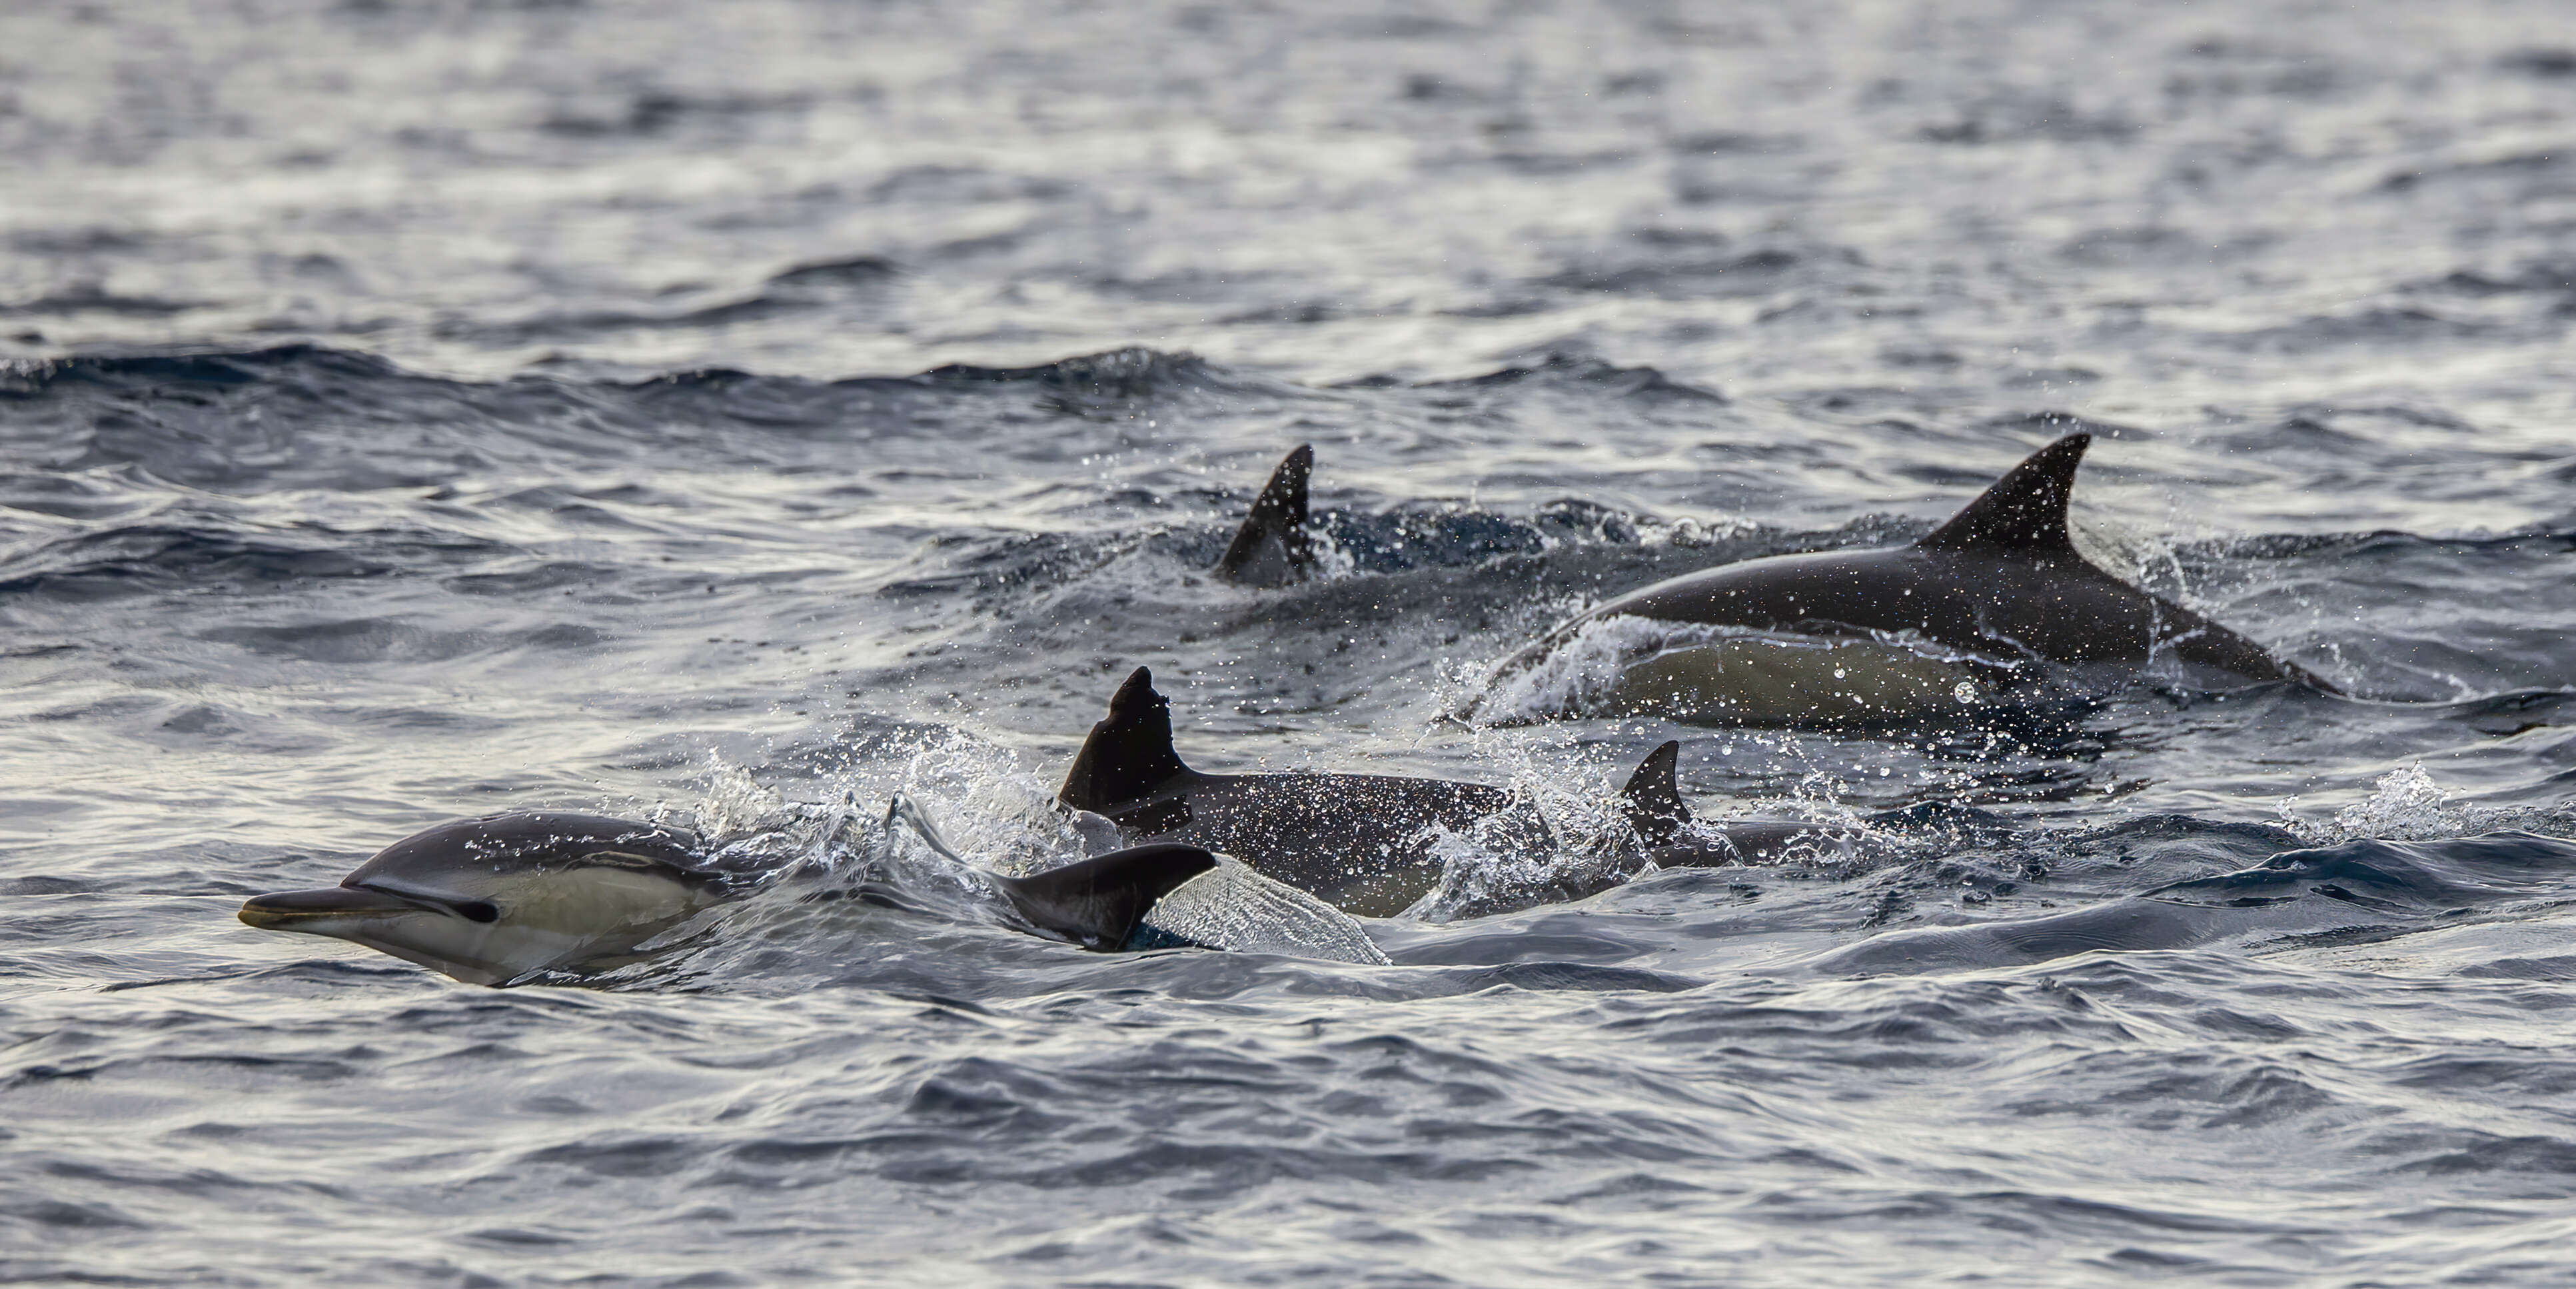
x,y
739,415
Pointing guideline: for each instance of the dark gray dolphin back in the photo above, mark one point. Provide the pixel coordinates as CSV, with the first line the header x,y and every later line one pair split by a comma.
x,y
1359,841
535,839
2025,511
1098,902
1272,548
1129,753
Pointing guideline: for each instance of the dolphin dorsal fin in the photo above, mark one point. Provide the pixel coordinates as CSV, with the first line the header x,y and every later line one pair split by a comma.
x,y
1129,751
1272,549
2024,511
1652,800
1096,903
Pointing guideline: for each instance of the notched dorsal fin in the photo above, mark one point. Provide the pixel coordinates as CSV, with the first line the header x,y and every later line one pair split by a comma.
x,y
2024,511
1097,903
1653,798
1272,549
1129,752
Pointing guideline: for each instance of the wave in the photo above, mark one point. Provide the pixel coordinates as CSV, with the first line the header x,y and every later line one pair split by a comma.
x,y
141,559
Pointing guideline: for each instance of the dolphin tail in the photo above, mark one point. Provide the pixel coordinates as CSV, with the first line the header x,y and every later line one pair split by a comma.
x,y
1129,751
1272,549
2025,511
1653,798
1097,903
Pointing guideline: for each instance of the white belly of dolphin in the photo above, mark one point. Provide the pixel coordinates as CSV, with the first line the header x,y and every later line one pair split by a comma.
x,y
560,918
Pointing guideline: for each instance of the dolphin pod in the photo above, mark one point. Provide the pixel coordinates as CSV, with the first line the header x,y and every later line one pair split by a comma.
x,y
1819,639
490,900
1834,637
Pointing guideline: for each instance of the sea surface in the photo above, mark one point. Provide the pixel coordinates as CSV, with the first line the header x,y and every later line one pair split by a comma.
x,y
737,415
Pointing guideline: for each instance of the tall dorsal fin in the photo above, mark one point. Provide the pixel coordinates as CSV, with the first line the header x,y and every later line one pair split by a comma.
x,y
1653,798
1272,549
2024,511
1097,903
1128,753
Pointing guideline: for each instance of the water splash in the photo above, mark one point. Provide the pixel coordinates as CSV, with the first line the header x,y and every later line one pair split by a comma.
x,y
2407,804
1233,908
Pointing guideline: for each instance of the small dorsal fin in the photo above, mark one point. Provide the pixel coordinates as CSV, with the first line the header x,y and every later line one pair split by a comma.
x,y
1128,753
1272,549
1653,798
2024,511
1096,903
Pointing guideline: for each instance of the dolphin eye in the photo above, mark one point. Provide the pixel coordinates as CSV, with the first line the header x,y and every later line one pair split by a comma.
x,y
477,911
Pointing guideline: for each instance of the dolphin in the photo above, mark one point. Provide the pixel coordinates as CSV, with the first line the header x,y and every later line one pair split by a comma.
x,y
490,900
1867,635
1361,842
1364,842
2357,890
1272,547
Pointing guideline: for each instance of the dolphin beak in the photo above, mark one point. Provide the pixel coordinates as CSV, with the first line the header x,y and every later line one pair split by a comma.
x,y
285,910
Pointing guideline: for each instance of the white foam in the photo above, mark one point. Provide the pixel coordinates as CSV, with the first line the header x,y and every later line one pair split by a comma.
x,y
1580,673
1233,908
2408,804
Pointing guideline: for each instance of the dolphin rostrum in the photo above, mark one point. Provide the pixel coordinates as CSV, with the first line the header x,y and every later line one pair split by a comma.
x,y
490,900
1862,635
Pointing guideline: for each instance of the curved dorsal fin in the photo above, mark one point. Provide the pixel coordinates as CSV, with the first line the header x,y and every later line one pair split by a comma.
x,y
2024,511
1271,549
1653,798
1097,902
1128,753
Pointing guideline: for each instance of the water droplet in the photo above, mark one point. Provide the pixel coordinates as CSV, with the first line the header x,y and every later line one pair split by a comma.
x,y
1964,692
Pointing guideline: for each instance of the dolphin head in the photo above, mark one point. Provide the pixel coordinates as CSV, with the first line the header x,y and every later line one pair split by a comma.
x,y
488,900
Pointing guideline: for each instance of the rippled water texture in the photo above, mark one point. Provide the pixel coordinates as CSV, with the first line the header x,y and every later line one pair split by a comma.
x,y
743,413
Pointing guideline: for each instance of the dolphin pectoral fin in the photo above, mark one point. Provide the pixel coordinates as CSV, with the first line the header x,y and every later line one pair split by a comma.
x,y
2025,511
1272,549
1097,903
1652,801
1129,752
310,910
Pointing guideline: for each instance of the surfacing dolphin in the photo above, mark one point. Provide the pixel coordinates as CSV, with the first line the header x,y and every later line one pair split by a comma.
x,y
491,900
1873,635
1364,842
1358,841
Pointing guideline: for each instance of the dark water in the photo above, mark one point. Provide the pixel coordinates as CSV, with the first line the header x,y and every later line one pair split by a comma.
x,y
417,410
